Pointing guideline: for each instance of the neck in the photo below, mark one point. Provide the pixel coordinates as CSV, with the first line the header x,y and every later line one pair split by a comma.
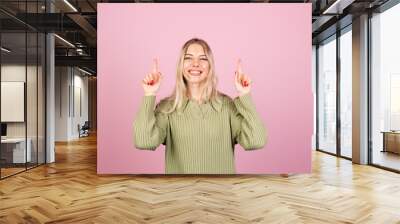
x,y
195,91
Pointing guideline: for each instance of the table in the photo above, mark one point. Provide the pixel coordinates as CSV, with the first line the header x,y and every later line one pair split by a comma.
x,y
15,148
391,141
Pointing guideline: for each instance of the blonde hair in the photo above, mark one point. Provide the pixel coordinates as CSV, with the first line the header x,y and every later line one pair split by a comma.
x,y
209,89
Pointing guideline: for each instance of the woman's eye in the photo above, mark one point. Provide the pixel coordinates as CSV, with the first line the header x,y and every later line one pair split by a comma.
x,y
204,59
186,58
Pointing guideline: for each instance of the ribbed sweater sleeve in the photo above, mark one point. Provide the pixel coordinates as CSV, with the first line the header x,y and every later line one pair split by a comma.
x,y
247,127
150,125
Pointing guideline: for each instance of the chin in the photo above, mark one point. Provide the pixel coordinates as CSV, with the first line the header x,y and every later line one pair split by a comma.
x,y
195,80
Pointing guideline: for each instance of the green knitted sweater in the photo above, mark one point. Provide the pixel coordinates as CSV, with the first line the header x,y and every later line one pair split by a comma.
x,y
199,138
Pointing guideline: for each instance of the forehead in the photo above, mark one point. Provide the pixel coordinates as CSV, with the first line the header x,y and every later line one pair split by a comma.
x,y
195,49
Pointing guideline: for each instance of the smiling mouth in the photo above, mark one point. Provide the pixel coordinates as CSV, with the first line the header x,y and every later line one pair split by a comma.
x,y
195,72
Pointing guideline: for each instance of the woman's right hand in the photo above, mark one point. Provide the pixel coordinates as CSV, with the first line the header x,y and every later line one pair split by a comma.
x,y
151,83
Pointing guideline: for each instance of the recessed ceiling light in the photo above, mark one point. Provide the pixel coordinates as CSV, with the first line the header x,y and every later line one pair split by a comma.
x,y
70,5
338,6
5,49
84,71
64,40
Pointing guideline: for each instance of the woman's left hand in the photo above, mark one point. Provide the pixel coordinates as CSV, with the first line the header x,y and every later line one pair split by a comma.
x,y
242,81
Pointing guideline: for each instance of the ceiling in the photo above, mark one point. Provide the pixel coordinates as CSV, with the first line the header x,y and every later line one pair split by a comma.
x,y
76,22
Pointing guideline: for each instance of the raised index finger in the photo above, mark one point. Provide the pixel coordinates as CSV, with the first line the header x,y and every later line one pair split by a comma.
x,y
155,65
239,66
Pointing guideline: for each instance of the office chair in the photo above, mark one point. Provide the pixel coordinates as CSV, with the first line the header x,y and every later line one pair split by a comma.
x,y
84,130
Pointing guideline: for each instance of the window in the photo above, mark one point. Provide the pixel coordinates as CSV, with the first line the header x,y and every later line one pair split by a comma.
x,y
346,75
385,88
327,95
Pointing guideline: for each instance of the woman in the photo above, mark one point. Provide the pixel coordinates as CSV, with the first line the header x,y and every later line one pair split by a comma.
x,y
198,125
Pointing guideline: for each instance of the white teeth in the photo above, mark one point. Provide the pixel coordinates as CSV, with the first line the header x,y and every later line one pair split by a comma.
x,y
195,72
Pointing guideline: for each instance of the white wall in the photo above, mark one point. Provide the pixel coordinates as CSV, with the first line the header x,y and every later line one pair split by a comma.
x,y
62,81
33,127
70,83
14,73
80,84
17,73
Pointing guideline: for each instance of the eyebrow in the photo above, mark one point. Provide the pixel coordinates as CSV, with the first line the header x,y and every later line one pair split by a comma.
x,y
203,55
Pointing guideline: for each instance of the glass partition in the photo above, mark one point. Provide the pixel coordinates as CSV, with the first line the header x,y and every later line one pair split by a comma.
x,y
327,95
14,154
346,93
22,77
385,89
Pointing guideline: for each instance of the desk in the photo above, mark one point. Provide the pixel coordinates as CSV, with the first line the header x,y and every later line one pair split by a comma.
x,y
391,141
15,148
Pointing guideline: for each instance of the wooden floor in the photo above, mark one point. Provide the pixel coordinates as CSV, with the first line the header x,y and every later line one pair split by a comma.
x,y
387,159
70,191
8,171
5,172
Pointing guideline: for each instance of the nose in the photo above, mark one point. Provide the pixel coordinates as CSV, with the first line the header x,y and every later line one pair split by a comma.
x,y
195,62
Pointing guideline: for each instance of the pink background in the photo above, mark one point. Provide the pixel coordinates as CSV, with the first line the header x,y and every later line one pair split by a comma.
x,y
274,43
